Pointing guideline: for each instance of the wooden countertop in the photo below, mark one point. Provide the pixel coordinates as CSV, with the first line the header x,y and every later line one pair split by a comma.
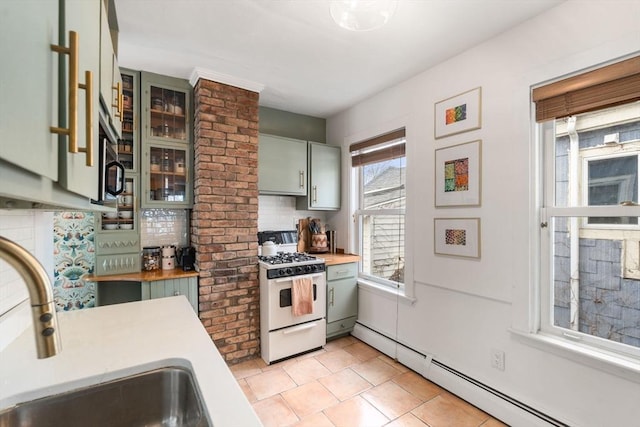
x,y
335,259
143,276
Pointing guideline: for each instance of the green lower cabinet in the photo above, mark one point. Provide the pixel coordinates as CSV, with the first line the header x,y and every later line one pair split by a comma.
x,y
342,298
117,264
187,286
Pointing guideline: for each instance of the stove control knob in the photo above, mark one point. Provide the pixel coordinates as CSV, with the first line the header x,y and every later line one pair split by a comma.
x,y
313,267
281,272
307,268
289,272
298,270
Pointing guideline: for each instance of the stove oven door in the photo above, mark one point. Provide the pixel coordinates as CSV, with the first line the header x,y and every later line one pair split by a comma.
x,y
280,310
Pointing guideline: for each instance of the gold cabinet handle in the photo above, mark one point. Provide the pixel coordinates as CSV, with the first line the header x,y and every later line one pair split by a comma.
x,y
332,291
88,88
72,130
301,179
74,85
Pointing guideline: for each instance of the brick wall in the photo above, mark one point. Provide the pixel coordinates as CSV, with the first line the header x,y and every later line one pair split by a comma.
x,y
225,216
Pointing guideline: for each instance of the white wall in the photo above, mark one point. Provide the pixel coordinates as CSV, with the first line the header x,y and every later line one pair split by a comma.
x,y
465,308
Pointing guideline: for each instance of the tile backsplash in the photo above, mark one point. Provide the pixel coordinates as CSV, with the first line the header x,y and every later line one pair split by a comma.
x,y
280,213
32,231
159,227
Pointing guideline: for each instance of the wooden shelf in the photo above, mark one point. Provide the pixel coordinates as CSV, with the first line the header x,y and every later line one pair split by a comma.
x,y
167,173
166,114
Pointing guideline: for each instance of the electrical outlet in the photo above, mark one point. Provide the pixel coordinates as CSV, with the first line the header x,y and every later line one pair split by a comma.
x,y
497,359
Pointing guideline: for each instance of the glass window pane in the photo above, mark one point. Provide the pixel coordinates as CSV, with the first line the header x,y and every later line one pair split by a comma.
x,y
611,182
384,184
606,284
383,246
382,238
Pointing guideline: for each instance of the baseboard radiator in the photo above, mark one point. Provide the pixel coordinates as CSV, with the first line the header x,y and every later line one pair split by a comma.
x,y
490,400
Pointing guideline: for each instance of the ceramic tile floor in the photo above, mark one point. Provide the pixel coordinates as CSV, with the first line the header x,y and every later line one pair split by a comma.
x,y
350,384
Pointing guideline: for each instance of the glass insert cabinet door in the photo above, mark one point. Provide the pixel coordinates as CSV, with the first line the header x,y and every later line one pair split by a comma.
x,y
166,113
166,176
128,145
125,218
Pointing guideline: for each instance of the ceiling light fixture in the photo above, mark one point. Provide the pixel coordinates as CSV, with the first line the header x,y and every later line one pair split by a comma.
x,y
362,15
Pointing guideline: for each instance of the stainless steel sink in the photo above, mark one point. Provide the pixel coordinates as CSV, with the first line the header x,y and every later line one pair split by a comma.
x,y
163,397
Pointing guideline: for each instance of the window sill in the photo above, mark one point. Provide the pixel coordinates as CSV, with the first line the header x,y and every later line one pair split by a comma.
x,y
386,291
624,367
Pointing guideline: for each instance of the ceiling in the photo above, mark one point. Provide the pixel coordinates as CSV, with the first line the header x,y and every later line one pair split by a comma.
x,y
305,63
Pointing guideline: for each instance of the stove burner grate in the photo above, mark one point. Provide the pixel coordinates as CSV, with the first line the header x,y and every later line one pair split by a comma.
x,y
287,258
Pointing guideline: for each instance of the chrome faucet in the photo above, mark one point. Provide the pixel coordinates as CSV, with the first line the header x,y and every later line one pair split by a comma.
x,y
40,294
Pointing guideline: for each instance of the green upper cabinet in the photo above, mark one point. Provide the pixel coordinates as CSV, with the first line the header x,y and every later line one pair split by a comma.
x,y
282,165
28,88
83,17
167,152
129,145
111,95
37,90
166,175
166,109
324,178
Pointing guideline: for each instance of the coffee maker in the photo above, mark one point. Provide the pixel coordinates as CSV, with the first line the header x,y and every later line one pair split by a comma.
x,y
187,258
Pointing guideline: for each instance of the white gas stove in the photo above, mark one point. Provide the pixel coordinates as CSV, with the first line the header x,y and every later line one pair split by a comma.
x,y
282,334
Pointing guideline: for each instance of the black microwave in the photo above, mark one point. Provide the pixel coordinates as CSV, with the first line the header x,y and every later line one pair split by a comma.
x,y
111,173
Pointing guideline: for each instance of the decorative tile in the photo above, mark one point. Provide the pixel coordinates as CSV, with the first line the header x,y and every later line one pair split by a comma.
x,y
73,257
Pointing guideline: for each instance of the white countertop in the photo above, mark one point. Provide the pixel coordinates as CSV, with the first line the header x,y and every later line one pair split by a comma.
x,y
105,343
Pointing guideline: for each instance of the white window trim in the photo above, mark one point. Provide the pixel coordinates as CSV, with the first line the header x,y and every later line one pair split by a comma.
x,y
526,307
359,214
408,291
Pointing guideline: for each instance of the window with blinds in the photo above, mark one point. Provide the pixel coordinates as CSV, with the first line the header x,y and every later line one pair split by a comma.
x,y
590,234
380,167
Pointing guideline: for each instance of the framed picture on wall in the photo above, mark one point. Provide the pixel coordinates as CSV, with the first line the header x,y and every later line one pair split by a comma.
x,y
458,114
457,237
458,175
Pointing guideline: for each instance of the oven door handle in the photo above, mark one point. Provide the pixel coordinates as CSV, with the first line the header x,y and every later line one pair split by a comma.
x,y
300,328
287,279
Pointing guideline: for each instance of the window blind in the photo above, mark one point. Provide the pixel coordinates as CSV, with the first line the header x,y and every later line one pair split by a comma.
x,y
604,87
383,147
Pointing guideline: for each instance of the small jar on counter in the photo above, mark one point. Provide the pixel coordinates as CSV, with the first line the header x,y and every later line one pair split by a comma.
x,y
151,258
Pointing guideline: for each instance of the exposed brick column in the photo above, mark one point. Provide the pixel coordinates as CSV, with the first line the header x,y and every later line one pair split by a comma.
x,y
224,221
